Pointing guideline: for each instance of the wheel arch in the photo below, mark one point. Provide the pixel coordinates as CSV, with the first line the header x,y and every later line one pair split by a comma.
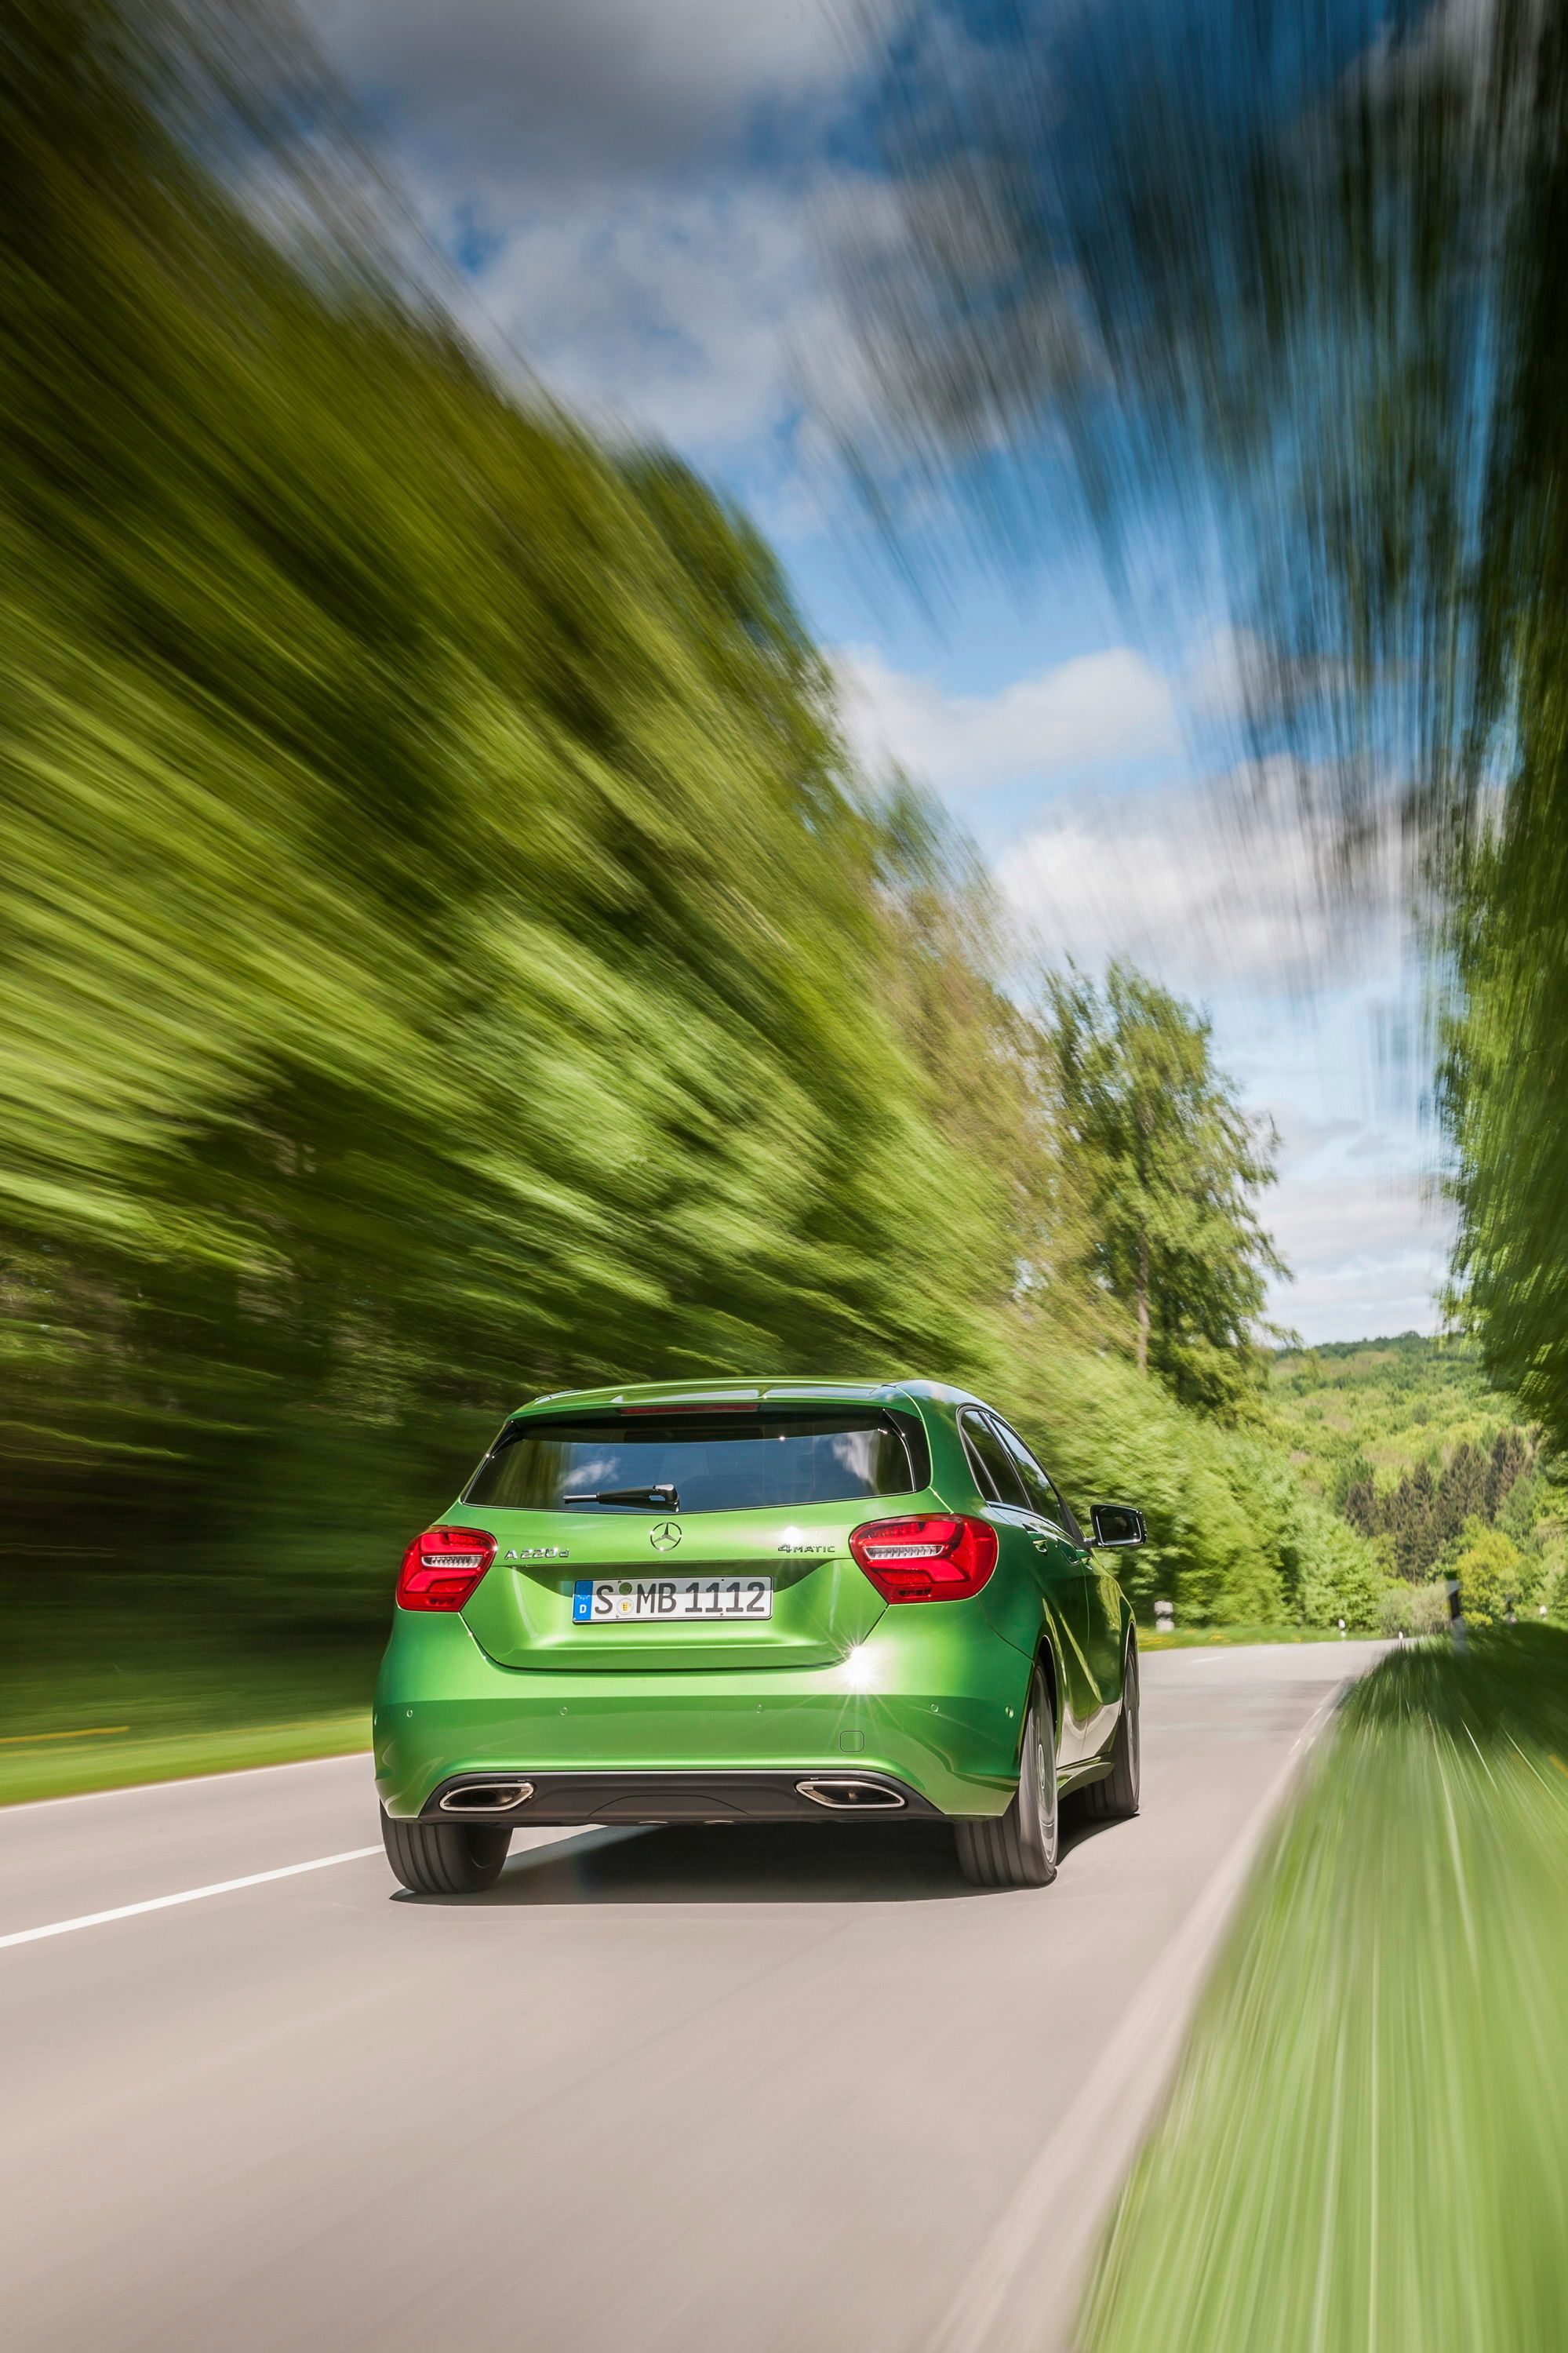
x,y
1045,1662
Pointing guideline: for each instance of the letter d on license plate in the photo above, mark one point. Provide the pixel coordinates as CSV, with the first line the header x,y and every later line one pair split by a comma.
x,y
613,1600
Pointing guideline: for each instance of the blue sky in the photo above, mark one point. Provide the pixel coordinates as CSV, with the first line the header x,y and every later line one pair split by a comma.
x,y
634,193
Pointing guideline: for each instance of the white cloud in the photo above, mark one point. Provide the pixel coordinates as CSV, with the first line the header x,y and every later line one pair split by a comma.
x,y
1098,708
1301,1138
532,89
1361,1221
607,175
1365,1299
1327,1221
1367,1256
677,315
1199,894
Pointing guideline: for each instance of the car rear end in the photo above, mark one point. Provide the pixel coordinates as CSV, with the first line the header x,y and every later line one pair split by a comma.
x,y
698,1604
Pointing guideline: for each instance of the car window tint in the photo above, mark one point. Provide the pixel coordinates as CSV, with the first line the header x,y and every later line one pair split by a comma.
x,y
1042,1495
993,1464
720,1463
1070,1518
1040,1488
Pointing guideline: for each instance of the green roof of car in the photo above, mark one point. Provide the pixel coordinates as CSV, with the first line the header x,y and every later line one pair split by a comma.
x,y
784,1389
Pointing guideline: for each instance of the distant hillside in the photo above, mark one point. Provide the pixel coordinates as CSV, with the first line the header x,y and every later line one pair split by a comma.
x,y
1406,1440
1394,1403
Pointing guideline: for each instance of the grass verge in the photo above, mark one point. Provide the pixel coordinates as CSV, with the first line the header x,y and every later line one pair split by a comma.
x,y
1366,2148
138,1703
70,1767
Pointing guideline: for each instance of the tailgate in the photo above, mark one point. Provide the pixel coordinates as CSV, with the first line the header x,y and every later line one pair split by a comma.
x,y
523,1614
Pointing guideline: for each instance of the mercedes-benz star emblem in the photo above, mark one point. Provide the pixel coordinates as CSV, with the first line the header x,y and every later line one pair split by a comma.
x,y
665,1537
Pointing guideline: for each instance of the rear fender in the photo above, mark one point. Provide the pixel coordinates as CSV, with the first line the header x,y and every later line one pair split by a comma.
x,y
1045,1663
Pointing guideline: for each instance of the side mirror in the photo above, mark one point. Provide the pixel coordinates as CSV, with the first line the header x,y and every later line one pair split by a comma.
x,y
1118,1526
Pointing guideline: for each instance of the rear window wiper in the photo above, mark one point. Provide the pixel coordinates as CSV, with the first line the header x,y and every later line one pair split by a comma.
x,y
658,1499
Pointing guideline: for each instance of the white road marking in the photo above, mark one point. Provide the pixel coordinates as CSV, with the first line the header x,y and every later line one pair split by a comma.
x,y
186,1895
588,1834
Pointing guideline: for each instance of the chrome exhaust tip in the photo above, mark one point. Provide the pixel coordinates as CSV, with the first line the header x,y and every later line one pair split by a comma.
x,y
486,1797
844,1796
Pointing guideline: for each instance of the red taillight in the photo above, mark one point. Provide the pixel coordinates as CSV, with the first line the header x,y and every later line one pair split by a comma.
x,y
931,1558
441,1567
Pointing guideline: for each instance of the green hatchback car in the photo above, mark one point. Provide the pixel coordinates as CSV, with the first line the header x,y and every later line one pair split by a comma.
x,y
767,1602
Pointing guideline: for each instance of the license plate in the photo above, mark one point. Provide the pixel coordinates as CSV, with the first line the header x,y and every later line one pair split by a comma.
x,y
612,1601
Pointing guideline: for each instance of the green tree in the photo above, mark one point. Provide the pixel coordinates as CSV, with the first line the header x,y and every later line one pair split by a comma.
x,y
1494,1576
1363,1507
1461,1493
1510,1461
1172,1167
1353,1476
1410,1519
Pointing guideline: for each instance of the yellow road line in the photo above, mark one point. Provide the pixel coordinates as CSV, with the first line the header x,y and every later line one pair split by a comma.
x,y
92,1732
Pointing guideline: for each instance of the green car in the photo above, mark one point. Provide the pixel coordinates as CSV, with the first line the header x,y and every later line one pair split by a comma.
x,y
766,1601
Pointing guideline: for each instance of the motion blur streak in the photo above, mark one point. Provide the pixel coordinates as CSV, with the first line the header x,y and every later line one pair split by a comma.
x,y
1364,2146
1285,281
446,952
443,948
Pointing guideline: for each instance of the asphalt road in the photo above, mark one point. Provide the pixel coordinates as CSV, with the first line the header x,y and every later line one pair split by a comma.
x,y
706,2091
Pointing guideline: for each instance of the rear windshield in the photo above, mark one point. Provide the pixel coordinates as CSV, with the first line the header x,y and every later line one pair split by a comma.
x,y
718,1462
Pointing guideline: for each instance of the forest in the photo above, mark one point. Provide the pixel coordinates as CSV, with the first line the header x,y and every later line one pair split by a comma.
x,y
1407,1441
447,952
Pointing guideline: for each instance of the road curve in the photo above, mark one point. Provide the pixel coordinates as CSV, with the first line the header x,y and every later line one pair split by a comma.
x,y
706,2091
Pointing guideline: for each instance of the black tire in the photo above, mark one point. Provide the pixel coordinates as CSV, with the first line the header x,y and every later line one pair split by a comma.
x,y
1018,1849
445,1858
1115,1799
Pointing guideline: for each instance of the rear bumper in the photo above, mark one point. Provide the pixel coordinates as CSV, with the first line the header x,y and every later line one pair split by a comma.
x,y
840,1795
931,1707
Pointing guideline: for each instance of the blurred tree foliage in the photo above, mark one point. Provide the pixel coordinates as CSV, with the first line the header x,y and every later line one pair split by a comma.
x,y
444,953
1287,281
1496,1581
1236,1536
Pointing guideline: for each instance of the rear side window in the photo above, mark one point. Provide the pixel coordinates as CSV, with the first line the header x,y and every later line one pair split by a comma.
x,y
712,1463
994,1469
1041,1492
